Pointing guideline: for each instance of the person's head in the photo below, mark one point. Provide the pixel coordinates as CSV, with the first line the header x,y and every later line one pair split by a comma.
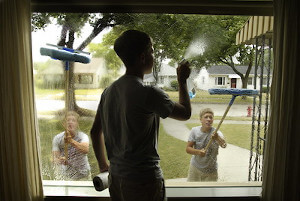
x,y
71,121
206,117
135,48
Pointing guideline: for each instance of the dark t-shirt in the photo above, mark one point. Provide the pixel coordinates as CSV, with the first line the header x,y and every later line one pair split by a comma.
x,y
130,113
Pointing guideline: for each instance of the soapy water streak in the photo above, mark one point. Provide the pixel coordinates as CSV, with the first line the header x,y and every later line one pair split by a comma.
x,y
196,48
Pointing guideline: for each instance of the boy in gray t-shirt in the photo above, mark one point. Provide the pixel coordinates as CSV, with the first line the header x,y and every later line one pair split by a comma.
x,y
203,166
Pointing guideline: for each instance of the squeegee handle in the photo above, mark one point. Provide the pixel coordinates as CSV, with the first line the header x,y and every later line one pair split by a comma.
x,y
221,121
66,104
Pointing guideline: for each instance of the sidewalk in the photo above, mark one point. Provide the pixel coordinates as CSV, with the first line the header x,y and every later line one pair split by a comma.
x,y
233,161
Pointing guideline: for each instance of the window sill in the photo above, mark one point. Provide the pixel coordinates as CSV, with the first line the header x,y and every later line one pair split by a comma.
x,y
58,190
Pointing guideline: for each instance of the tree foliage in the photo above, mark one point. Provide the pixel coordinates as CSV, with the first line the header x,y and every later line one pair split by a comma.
x,y
72,23
172,36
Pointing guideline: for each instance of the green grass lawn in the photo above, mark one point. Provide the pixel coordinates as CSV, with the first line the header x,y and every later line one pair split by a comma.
x,y
174,160
88,94
204,97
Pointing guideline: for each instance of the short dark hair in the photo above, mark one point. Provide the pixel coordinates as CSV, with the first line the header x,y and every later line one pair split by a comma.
x,y
130,45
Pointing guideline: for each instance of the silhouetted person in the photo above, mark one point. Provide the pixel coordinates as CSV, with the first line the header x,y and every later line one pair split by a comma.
x,y
128,115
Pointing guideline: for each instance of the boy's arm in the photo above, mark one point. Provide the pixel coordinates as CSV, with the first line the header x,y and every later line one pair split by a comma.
x,y
98,143
191,150
182,109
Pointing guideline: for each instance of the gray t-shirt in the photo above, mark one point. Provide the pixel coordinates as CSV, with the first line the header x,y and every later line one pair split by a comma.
x,y
78,166
208,163
130,113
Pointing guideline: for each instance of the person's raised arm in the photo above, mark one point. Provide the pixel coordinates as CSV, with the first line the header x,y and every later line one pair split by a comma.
x,y
98,143
182,109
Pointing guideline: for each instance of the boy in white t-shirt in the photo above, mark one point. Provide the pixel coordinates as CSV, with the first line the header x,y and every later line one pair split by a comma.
x,y
203,166
76,166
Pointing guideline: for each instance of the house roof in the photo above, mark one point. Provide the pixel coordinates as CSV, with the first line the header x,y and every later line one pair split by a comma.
x,y
92,67
167,70
226,70
149,78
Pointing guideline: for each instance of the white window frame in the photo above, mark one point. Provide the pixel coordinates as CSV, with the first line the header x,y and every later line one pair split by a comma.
x,y
217,79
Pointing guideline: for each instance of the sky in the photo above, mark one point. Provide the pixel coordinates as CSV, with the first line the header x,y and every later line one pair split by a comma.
x,y
51,35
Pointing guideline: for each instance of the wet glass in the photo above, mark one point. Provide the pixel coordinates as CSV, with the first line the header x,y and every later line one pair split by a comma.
x,y
202,40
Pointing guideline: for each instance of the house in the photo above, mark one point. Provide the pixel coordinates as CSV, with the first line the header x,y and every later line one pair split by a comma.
x,y
166,75
86,75
225,77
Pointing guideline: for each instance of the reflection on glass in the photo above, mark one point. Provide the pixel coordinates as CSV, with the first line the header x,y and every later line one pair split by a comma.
x,y
69,149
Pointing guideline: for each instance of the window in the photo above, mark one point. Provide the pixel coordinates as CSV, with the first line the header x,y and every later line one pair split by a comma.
x,y
264,81
250,80
220,81
175,163
85,79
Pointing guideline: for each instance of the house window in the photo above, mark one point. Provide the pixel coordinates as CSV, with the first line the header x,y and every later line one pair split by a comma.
x,y
264,81
85,79
220,81
250,80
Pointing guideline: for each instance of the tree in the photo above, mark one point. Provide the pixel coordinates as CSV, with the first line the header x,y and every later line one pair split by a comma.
x,y
174,34
72,24
221,48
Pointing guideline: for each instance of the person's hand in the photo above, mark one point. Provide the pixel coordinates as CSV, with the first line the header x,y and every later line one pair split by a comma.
x,y
214,136
68,137
63,160
202,152
183,71
103,167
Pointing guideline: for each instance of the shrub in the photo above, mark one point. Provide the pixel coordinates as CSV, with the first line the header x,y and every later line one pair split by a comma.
x,y
105,81
174,84
265,89
50,82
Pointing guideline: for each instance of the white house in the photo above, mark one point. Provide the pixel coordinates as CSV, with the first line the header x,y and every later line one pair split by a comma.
x,y
86,75
166,75
225,77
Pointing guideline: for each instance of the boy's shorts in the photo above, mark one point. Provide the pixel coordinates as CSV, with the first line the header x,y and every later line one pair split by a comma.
x,y
195,174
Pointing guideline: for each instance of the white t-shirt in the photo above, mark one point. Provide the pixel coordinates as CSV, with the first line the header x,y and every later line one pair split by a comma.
x,y
78,165
208,163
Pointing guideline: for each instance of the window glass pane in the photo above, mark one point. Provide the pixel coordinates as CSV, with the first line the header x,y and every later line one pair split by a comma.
x,y
78,87
250,81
